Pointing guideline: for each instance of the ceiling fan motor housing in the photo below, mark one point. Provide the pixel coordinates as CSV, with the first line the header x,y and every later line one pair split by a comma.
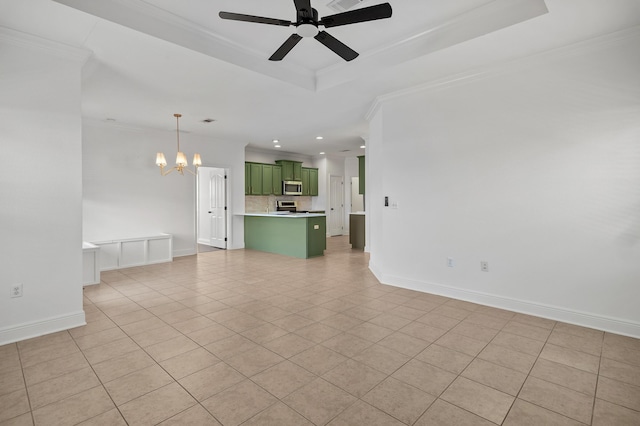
x,y
307,26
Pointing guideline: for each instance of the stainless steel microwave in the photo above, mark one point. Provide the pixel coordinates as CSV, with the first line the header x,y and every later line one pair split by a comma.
x,y
290,187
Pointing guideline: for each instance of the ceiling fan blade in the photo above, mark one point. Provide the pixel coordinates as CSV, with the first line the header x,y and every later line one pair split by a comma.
x,y
341,49
304,8
255,19
371,13
285,48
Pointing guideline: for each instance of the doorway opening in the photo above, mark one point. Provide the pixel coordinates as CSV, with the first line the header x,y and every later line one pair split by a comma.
x,y
211,209
357,199
336,206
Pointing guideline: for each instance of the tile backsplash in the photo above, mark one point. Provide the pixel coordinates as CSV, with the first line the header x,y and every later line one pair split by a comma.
x,y
264,203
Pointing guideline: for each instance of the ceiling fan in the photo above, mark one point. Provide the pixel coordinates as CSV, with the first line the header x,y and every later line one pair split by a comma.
x,y
307,23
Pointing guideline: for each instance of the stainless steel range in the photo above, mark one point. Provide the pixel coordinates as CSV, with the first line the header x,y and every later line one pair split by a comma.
x,y
286,206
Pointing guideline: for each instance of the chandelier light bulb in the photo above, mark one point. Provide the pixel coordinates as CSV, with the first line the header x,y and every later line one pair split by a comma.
x,y
181,159
160,160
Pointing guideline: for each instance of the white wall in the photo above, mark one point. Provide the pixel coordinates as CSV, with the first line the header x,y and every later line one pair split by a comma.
x,y
125,196
534,169
40,186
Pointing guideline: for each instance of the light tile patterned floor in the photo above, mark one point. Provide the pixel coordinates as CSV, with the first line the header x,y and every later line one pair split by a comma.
x,y
242,337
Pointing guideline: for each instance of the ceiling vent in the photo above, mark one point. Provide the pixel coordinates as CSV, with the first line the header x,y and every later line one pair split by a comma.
x,y
343,5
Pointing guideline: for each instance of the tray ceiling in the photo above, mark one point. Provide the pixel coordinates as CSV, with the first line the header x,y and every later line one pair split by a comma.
x,y
153,58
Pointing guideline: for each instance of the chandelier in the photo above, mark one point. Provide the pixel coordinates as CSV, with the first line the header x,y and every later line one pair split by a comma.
x,y
181,159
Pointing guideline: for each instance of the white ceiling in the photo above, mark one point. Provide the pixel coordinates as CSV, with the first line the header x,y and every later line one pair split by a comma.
x,y
152,58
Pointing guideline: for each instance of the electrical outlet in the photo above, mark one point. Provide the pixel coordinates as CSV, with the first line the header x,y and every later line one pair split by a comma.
x,y
450,262
16,290
484,266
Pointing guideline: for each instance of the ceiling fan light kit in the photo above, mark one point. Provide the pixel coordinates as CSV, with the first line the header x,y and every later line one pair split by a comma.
x,y
181,159
307,30
307,24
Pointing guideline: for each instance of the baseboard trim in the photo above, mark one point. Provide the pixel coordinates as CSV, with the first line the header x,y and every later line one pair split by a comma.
x,y
42,327
557,313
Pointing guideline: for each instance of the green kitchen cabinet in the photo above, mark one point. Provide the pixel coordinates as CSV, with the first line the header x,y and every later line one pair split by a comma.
x,y
277,180
247,178
313,182
267,179
262,179
309,181
305,181
361,174
357,230
253,175
291,170
301,236
271,180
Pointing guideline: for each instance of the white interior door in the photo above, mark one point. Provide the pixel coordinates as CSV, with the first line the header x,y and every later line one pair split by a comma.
x,y
336,205
212,210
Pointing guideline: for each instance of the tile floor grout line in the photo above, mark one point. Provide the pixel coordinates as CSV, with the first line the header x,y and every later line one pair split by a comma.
x,y
595,391
26,388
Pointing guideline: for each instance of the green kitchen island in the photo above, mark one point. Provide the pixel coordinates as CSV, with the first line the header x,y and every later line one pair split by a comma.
x,y
301,235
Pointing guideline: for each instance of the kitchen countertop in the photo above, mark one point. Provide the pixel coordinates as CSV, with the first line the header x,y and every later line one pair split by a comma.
x,y
285,215
358,213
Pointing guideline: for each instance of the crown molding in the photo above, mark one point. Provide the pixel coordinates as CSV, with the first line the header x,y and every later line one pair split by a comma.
x,y
159,23
507,67
29,41
472,24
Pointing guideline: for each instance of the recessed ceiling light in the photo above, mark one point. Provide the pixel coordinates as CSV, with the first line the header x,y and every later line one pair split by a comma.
x,y
319,137
362,146
277,146
276,141
111,119
322,153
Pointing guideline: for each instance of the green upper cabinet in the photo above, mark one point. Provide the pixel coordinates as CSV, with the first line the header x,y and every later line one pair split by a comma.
x,y
361,185
247,178
277,180
309,181
305,181
267,179
291,170
255,180
271,180
313,182
262,179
